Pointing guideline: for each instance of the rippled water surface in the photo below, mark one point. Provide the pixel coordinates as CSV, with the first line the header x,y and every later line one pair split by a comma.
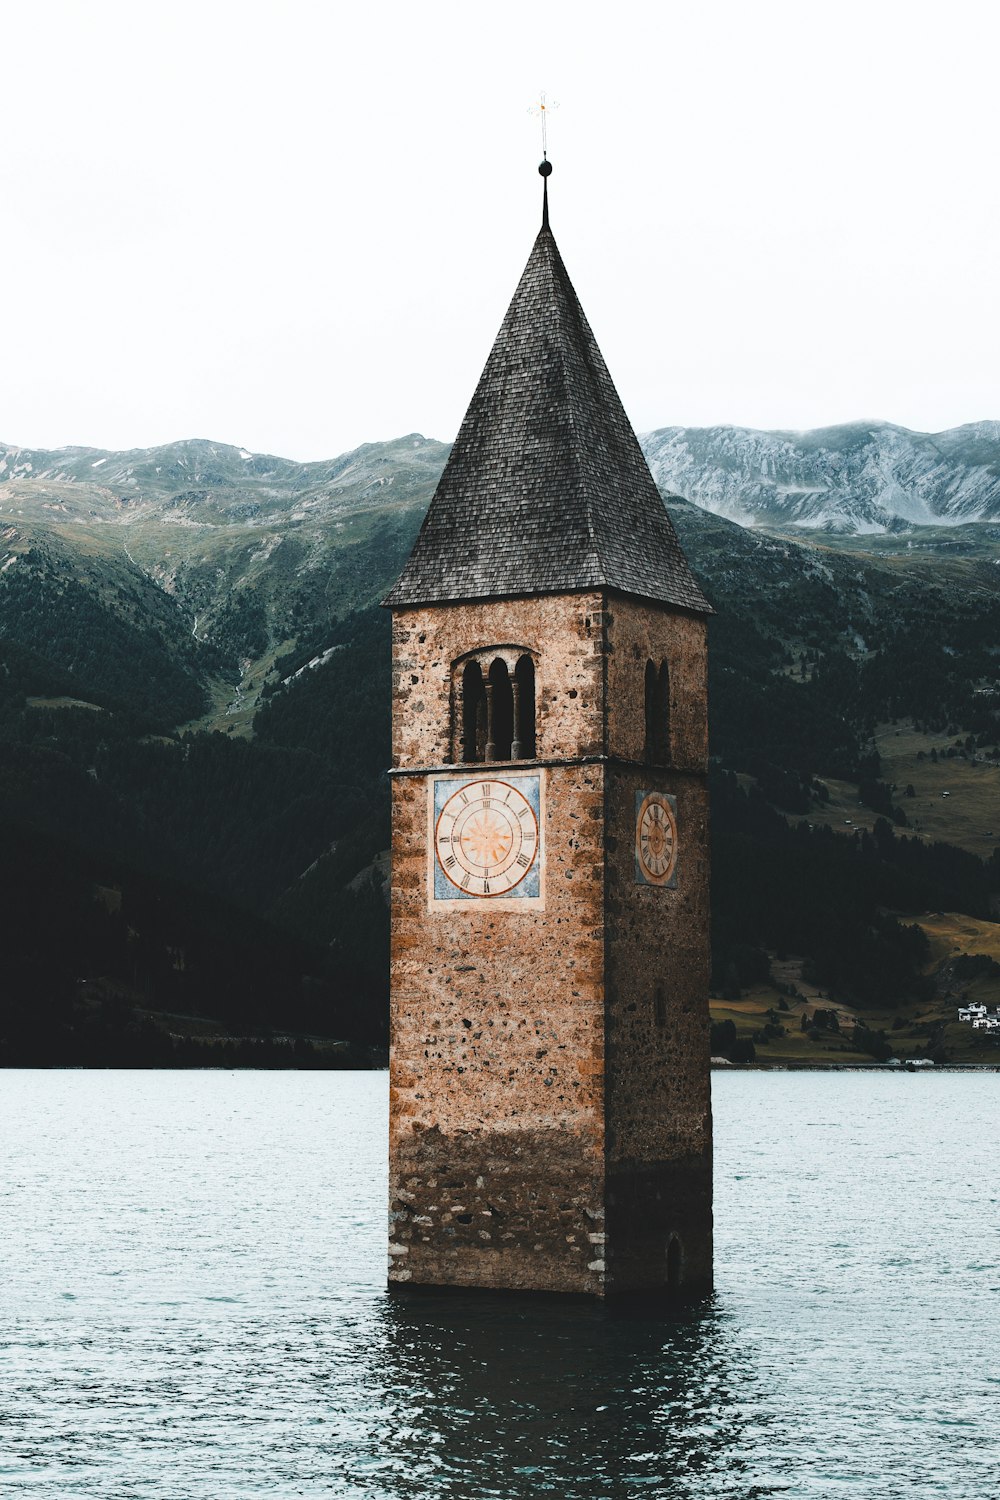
x,y
192,1304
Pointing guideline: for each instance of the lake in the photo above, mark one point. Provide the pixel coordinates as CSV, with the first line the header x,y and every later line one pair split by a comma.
x,y
192,1304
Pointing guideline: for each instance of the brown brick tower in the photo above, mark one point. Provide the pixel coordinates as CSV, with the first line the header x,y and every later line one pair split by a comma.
x,y
550,1120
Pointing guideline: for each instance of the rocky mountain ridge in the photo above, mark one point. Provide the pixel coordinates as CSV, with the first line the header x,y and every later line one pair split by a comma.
x,y
863,478
197,462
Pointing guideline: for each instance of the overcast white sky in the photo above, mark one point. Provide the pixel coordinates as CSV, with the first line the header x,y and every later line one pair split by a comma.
x,y
297,226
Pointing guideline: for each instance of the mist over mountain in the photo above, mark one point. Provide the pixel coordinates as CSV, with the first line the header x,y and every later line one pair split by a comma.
x,y
861,478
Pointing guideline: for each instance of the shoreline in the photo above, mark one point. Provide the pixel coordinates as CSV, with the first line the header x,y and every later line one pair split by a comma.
x,y
856,1067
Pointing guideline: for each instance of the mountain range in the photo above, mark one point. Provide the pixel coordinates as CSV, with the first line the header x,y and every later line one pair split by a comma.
x,y
244,553
150,599
860,477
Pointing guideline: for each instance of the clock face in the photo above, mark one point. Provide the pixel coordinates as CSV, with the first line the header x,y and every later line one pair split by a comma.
x,y
486,838
656,839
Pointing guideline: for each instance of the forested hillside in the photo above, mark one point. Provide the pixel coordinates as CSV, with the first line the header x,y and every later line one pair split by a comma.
x,y
193,749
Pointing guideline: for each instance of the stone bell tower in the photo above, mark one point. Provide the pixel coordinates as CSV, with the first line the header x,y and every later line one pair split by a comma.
x,y
550,1118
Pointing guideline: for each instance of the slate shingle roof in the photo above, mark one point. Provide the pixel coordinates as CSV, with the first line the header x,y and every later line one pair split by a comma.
x,y
546,489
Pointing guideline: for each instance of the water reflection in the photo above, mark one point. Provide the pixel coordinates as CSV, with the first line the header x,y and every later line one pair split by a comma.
x,y
514,1397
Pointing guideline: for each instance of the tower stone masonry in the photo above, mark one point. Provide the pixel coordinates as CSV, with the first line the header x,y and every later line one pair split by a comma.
x,y
550,1115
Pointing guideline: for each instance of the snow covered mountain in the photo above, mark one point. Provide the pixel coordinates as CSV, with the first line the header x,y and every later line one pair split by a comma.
x,y
865,477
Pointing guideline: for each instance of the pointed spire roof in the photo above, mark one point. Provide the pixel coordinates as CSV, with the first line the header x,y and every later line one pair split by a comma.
x,y
546,489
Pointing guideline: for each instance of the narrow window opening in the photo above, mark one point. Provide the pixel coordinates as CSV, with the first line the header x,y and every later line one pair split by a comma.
x,y
499,712
523,744
650,699
657,704
473,713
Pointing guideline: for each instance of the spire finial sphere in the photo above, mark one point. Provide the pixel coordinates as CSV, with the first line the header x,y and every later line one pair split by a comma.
x,y
545,166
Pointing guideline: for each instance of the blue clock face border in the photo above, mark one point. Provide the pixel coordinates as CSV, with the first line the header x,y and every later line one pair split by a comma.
x,y
485,840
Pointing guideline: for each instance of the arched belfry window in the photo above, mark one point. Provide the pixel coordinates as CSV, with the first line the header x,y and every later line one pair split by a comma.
x,y
523,747
499,712
473,713
494,705
657,703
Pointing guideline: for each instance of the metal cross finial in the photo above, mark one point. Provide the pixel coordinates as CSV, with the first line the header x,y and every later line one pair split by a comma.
x,y
541,111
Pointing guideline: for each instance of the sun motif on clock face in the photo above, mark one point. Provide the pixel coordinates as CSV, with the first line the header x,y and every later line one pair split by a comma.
x,y
486,838
656,839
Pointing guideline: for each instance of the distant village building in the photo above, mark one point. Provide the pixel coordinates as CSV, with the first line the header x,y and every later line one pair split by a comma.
x,y
550,1117
978,1017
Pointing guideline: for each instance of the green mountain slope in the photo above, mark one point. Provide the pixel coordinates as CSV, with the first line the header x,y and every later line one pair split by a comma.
x,y
251,549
